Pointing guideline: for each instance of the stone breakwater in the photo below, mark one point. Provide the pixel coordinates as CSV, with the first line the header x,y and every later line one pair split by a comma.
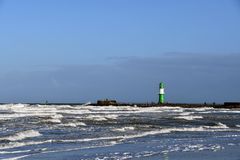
x,y
229,105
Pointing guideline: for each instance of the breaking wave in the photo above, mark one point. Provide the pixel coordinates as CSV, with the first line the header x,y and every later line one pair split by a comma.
x,y
73,124
218,126
189,117
21,135
65,127
124,129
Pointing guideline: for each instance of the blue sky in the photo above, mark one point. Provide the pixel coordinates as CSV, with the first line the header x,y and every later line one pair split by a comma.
x,y
79,51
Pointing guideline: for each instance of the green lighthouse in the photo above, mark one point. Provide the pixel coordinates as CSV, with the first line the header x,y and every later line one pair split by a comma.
x,y
161,93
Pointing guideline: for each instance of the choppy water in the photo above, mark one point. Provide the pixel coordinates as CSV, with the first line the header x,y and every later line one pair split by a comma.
x,y
122,132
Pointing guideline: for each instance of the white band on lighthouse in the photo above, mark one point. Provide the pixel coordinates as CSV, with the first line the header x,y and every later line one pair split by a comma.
x,y
161,91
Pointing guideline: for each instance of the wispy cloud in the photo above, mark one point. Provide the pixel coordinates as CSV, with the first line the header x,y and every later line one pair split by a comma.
x,y
188,78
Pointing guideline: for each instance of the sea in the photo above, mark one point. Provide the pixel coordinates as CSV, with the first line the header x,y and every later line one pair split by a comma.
x,y
85,132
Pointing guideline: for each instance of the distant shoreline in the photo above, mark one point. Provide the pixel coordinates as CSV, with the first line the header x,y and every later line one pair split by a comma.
x,y
229,105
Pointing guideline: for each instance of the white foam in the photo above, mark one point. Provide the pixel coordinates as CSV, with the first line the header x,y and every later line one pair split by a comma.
x,y
21,144
193,129
124,129
71,124
86,104
171,109
116,139
16,158
13,152
21,110
16,112
185,113
96,118
238,126
74,111
202,109
52,121
64,150
189,117
121,109
201,147
56,111
111,116
125,137
218,126
231,144
102,117
22,135
57,116
222,111
221,125
80,124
